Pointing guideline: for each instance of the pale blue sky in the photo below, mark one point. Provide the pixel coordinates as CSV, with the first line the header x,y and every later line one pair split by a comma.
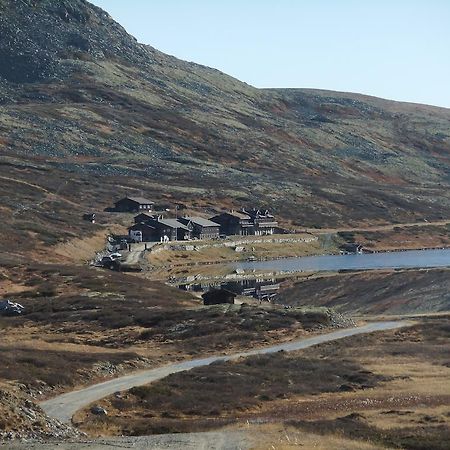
x,y
397,49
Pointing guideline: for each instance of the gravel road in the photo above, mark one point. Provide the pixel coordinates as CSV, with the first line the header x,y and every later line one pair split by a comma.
x,y
137,253
214,440
63,407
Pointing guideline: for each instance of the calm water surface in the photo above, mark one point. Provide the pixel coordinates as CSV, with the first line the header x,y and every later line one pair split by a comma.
x,y
389,260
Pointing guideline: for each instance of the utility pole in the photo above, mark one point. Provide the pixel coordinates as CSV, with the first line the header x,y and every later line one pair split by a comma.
x,y
176,222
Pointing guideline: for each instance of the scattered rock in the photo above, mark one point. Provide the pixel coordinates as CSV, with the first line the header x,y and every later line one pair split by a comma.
x,y
8,308
346,388
99,411
24,419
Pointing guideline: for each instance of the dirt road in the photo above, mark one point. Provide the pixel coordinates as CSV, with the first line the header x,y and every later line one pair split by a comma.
x,y
213,440
137,254
64,406
377,227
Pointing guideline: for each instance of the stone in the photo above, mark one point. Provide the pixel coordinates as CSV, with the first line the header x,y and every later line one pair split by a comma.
x,y
99,411
8,308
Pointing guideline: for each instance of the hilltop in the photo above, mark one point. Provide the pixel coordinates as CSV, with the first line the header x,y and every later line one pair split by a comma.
x,y
87,114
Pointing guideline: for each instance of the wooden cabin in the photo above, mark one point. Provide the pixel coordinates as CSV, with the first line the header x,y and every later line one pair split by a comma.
x,y
253,222
234,223
201,228
158,229
133,204
218,296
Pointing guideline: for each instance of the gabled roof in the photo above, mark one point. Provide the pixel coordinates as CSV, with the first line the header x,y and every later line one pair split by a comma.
x,y
201,221
141,225
218,292
140,200
238,214
173,223
254,212
146,215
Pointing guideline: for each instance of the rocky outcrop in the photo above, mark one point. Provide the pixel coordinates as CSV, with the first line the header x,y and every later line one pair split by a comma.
x,y
39,37
8,308
22,418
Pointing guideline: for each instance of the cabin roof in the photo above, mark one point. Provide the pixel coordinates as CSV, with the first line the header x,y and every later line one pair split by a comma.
x,y
141,225
146,215
238,214
202,221
173,223
219,292
141,200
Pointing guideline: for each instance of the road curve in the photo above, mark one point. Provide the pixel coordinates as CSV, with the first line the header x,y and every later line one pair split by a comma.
x,y
64,406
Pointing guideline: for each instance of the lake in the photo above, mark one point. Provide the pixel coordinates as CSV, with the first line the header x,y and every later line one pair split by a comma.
x,y
385,260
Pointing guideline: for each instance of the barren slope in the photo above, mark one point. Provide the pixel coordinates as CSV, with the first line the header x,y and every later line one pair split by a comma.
x,y
375,292
87,114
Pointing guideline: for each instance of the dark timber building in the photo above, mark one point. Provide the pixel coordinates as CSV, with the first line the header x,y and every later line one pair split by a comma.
x,y
264,223
157,229
218,296
201,228
245,223
133,204
234,223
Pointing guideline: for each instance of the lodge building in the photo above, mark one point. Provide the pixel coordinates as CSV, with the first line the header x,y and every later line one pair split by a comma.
x,y
253,222
153,228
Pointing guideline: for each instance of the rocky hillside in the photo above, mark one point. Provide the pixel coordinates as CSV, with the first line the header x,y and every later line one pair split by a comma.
x,y
22,418
375,292
88,114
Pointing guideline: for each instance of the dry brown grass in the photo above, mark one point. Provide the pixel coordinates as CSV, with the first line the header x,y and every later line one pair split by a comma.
x,y
83,249
384,292
77,317
211,258
188,401
282,437
408,409
411,237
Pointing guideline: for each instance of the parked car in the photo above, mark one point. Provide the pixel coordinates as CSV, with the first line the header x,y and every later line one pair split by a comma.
x,y
115,255
107,259
109,263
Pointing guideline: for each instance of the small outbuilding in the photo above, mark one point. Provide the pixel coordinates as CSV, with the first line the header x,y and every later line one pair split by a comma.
x,y
352,247
218,296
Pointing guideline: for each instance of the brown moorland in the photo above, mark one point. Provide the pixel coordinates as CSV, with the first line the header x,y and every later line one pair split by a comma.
x,y
387,389
371,293
82,324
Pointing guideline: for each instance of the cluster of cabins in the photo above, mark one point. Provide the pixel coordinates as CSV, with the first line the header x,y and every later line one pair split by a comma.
x,y
150,227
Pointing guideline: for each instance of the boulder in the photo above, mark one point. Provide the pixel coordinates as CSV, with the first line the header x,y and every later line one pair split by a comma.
x,y
8,308
99,411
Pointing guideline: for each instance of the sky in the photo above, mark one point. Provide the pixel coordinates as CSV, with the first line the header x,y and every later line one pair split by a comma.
x,y
395,49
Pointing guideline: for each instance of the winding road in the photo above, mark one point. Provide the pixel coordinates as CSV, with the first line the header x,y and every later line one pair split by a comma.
x,y
64,406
